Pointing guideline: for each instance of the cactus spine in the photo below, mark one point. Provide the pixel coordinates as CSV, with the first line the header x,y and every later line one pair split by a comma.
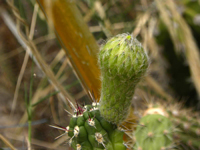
x,y
123,62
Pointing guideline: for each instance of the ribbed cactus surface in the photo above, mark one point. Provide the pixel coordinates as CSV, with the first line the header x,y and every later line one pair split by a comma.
x,y
154,132
123,62
89,131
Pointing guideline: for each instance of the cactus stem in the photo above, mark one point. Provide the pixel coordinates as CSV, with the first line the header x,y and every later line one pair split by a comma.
x,y
88,130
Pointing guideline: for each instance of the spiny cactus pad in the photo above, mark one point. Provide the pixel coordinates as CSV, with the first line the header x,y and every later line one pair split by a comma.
x,y
154,132
123,62
89,131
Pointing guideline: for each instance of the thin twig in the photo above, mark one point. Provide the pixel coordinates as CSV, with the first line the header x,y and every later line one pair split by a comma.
x,y
38,58
7,142
26,58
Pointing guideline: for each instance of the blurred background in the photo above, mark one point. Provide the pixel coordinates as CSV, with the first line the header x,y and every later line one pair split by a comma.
x,y
39,67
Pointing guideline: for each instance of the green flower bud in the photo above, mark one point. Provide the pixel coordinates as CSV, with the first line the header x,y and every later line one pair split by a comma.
x,y
123,62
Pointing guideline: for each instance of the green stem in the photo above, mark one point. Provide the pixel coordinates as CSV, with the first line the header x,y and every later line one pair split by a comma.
x,y
29,130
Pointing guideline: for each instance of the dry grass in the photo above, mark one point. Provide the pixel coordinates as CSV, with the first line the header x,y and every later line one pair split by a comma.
x,y
143,20
182,34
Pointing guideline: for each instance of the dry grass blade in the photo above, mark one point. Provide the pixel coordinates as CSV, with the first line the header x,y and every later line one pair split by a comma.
x,y
141,21
39,40
47,145
151,42
59,56
11,25
38,58
156,86
41,92
164,14
7,142
26,57
115,26
53,111
191,50
101,12
28,143
64,65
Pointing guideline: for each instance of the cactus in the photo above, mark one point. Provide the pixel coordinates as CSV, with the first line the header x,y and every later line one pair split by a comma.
x,y
123,62
185,121
154,132
89,131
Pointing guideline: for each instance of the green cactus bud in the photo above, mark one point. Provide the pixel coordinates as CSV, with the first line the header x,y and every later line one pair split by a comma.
x,y
154,132
123,62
